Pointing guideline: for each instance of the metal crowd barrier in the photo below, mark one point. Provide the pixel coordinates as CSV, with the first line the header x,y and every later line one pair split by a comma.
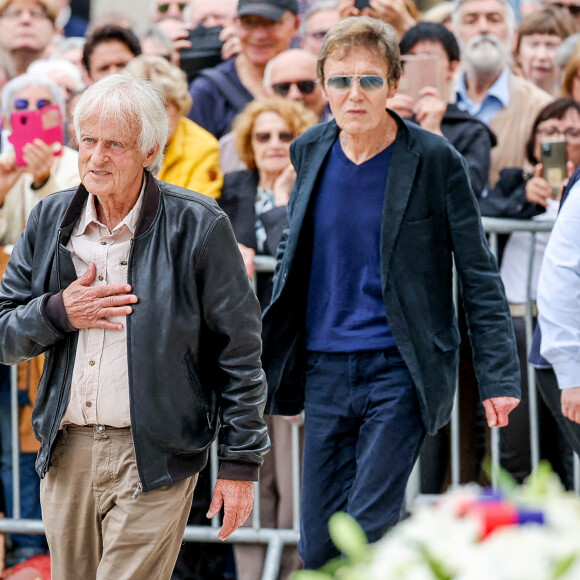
x,y
276,539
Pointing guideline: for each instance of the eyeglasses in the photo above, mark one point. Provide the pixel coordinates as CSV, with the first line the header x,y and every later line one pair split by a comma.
x,y
283,136
16,13
163,8
570,134
318,34
343,83
305,87
574,9
23,104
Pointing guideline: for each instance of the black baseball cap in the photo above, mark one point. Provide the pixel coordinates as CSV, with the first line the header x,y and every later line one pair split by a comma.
x,y
271,9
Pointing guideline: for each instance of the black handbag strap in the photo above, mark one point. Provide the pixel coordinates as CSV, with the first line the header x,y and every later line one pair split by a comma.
x,y
235,97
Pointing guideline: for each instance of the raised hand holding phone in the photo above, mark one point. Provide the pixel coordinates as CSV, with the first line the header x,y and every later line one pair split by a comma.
x,y
44,125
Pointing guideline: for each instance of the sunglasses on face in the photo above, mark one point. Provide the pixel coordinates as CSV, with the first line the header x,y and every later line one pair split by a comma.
x,y
163,8
23,104
343,83
305,87
283,136
574,9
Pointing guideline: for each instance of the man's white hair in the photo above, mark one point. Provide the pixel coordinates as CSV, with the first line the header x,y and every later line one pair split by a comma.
x,y
120,100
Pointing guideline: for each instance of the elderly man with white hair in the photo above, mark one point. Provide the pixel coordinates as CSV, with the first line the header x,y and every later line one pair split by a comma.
x,y
487,89
137,294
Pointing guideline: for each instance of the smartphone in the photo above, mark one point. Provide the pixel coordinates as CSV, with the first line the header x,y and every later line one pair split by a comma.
x,y
554,157
45,124
419,71
360,4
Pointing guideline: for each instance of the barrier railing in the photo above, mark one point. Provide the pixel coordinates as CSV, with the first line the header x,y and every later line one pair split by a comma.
x,y
276,539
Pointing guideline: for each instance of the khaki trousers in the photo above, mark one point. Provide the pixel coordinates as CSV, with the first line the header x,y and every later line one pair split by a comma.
x,y
94,527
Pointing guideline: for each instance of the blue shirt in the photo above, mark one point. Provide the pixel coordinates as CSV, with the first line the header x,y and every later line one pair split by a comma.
x,y
497,97
345,311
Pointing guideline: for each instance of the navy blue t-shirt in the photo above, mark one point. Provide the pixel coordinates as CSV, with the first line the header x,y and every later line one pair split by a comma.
x,y
345,310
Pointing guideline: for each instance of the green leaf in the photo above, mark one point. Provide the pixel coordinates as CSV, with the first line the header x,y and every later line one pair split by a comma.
x,y
332,566
437,567
505,481
561,567
348,536
310,575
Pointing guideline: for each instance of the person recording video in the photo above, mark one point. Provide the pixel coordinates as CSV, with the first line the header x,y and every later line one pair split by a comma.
x,y
43,172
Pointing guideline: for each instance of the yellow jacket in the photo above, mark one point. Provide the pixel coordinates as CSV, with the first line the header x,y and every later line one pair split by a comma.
x,y
192,160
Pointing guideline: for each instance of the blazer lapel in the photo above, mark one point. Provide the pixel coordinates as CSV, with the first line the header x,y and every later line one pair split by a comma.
x,y
314,157
404,164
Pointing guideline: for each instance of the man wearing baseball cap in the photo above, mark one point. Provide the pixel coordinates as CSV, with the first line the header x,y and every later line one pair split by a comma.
x,y
265,28
272,9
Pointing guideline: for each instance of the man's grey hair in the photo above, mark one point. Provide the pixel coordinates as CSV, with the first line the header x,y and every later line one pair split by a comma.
x,y
120,100
317,6
21,82
509,14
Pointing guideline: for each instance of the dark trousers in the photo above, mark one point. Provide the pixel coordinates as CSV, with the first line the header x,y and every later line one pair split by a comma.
x,y
362,434
515,438
548,387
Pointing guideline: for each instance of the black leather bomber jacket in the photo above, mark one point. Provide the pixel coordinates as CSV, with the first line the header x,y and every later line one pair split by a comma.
x,y
193,338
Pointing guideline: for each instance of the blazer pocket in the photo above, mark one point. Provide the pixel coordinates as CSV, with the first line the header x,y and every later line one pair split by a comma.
x,y
418,223
447,340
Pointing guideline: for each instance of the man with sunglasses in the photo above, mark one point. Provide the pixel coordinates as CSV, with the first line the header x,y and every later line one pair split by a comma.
x,y
361,332
292,74
169,9
572,7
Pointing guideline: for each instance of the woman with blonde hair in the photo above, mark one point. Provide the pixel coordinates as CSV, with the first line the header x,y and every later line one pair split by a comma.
x,y
192,153
256,199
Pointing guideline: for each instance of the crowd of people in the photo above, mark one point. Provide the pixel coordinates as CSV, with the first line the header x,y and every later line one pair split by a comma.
x,y
359,146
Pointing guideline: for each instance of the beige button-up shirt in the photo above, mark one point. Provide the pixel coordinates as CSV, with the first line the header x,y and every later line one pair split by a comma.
x,y
100,382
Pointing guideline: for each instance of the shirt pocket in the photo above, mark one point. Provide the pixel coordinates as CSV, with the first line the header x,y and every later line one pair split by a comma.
x,y
120,271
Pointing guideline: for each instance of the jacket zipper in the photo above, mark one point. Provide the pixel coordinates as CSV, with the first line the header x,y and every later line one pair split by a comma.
x,y
139,489
62,389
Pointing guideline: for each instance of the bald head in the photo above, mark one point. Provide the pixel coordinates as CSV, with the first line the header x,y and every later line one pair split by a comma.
x,y
292,74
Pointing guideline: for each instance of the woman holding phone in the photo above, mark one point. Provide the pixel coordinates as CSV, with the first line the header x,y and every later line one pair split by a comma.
x,y
43,172
524,193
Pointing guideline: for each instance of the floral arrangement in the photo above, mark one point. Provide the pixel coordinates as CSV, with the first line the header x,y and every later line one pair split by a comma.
x,y
529,532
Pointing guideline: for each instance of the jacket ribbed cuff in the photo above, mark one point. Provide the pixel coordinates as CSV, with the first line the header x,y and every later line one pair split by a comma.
x,y
53,310
239,470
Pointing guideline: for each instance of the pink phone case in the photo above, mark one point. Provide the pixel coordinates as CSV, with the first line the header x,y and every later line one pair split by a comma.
x,y
29,125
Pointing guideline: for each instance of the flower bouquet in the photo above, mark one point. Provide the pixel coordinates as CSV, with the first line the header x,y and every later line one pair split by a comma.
x,y
529,532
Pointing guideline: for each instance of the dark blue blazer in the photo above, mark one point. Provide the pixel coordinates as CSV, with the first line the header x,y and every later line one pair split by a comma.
x,y
430,215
